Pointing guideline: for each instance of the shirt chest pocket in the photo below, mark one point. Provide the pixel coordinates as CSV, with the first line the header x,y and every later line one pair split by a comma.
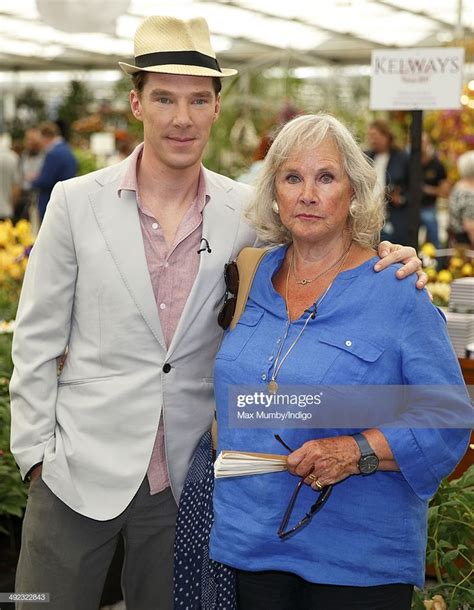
x,y
235,340
348,357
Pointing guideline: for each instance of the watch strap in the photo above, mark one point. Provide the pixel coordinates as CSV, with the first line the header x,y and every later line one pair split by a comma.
x,y
365,448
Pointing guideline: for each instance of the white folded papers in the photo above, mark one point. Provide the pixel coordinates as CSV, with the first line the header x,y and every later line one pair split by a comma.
x,y
462,295
460,330
241,463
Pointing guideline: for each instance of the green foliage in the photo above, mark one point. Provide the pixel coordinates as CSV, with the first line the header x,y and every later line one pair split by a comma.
x,y
258,100
86,161
31,110
9,295
451,543
76,103
122,90
12,489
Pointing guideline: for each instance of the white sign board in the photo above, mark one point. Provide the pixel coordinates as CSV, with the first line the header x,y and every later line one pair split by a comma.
x,y
102,143
416,79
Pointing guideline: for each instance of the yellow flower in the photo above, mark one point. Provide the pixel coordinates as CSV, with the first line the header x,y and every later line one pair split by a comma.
x,y
3,234
16,251
429,249
445,276
15,271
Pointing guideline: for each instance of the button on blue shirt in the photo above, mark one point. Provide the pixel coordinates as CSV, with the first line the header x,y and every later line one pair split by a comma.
x,y
370,329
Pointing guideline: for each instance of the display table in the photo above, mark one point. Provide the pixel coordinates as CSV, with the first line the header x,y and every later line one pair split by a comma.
x,y
467,367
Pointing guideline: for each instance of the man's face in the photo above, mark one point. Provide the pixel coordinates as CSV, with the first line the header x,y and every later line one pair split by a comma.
x,y
378,141
427,149
177,113
33,140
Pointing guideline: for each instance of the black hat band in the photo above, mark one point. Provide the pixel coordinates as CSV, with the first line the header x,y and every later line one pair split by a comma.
x,y
182,58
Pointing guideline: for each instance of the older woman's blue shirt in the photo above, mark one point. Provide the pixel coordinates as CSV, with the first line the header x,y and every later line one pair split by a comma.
x,y
370,329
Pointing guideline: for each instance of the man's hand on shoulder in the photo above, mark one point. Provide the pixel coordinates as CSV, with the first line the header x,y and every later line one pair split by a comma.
x,y
394,253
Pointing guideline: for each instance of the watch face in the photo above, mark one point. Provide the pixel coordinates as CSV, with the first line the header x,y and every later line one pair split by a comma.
x,y
368,464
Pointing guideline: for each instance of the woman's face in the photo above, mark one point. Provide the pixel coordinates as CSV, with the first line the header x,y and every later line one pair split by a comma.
x,y
314,193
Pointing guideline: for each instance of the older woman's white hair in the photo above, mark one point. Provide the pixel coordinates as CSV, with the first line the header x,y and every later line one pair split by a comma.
x,y
366,213
466,164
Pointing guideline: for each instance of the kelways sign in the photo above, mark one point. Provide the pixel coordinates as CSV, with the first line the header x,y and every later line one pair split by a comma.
x,y
416,79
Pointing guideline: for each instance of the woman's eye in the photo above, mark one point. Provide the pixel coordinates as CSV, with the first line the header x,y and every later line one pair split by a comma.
x,y
326,178
292,179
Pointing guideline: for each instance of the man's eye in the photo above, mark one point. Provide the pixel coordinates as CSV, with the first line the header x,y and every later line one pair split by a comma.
x,y
164,100
200,101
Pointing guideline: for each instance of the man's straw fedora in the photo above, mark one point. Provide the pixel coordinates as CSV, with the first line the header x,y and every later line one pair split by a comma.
x,y
174,46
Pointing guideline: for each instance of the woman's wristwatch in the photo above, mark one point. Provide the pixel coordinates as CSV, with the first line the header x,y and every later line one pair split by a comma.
x,y
368,462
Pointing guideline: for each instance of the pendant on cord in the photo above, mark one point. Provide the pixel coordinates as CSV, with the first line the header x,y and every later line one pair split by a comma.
x,y
272,387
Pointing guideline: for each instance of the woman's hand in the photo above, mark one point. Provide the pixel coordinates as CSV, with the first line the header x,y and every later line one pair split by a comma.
x,y
327,460
394,253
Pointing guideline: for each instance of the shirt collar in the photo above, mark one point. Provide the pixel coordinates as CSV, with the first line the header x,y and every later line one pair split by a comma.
x,y
129,180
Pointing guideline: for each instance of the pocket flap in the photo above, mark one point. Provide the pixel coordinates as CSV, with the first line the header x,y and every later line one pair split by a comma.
x,y
251,317
363,349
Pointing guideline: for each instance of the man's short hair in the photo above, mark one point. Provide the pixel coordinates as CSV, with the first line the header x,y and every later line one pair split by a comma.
x,y
49,129
139,80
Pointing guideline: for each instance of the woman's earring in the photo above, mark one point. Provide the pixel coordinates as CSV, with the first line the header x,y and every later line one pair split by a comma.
x,y
275,207
353,206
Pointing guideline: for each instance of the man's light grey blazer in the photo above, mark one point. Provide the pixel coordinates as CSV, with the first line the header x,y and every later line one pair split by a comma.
x,y
87,288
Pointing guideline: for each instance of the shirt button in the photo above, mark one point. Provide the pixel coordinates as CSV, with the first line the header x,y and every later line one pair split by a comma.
x,y
279,341
348,343
264,376
166,367
166,265
155,225
162,306
270,359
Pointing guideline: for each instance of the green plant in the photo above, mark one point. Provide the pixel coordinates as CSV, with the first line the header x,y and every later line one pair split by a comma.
x,y
86,161
12,489
451,543
76,102
9,295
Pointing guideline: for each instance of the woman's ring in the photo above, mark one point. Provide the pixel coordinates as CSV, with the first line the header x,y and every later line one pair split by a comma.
x,y
315,480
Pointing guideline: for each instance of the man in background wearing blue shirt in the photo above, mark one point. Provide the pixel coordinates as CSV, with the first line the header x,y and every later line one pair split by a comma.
x,y
59,164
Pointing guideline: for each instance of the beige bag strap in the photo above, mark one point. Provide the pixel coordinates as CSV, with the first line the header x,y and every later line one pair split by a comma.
x,y
247,263
214,433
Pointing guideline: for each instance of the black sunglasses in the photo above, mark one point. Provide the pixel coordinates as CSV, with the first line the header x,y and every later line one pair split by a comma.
x,y
231,277
324,494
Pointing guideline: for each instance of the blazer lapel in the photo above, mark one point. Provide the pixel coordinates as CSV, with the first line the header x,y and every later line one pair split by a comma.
x,y
220,224
119,223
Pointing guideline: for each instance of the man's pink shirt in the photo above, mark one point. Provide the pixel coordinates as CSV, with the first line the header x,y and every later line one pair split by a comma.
x,y
172,270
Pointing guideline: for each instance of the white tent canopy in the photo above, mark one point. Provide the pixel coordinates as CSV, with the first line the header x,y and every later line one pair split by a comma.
x,y
95,34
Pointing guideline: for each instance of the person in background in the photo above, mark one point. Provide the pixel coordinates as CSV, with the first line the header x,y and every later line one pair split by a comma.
x,y
461,202
10,181
391,166
435,185
31,162
59,164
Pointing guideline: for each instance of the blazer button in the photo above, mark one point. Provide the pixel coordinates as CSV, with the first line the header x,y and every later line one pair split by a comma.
x,y
166,367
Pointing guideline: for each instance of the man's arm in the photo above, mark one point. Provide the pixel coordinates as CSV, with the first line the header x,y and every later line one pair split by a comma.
x,y
42,333
394,253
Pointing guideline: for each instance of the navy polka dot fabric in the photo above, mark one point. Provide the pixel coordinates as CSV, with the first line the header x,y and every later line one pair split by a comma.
x,y
200,583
